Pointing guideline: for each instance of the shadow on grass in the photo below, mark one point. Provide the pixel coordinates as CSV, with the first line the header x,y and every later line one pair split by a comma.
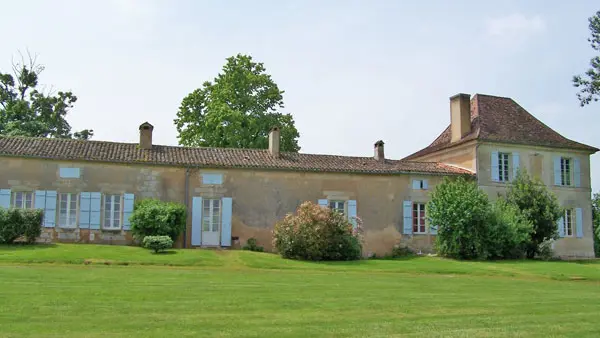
x,y
168,252
25,246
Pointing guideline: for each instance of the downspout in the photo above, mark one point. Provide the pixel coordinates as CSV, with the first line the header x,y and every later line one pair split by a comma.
x,y
186,201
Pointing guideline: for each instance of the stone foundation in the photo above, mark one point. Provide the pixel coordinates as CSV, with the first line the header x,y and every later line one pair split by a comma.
x,y
62,235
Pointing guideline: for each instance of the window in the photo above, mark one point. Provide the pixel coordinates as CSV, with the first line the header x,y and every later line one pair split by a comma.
x,y
419,218
419,185
22,199
112,211
503,167
211,215
337,206
568,224
214,179
67,216
565,171
69,173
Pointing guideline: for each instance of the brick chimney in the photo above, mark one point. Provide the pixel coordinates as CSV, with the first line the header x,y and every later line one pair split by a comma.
x,y
379,154
146,135
274,136
460,116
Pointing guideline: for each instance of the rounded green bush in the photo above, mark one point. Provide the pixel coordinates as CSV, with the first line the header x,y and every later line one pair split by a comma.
x,y
153,217
157,243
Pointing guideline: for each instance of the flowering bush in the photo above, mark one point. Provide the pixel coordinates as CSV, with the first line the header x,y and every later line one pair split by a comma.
x,y
318,234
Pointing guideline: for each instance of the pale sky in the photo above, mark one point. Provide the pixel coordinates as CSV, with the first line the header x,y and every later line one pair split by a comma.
x,y
353,72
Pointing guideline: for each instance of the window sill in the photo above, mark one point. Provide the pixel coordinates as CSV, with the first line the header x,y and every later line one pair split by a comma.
x,y
68,228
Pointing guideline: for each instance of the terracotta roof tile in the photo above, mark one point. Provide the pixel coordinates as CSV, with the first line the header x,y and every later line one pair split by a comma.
x,y
501,119
65,149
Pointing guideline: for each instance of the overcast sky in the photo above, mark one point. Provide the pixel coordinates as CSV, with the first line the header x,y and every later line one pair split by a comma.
x,y
353,72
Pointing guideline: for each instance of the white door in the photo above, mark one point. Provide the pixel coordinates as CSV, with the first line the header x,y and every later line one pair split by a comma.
x,y
211,221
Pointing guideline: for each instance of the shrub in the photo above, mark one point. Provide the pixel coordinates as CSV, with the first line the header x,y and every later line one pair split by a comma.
x,y
11,225
461,212
152,217
32,222
157,243
596,223
509,232
318,234
537,204
251,245
545,251
398,252
16,223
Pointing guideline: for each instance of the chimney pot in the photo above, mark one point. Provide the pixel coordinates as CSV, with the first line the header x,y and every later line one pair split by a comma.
x,y
146,135
460,116
274,139
379,154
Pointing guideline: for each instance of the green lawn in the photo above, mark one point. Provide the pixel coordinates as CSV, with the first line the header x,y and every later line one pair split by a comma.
x,y
98,291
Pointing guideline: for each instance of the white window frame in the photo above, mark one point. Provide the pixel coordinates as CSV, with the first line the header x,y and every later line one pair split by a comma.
x,y
24,195
503,167
208,218
338,205
566,171
70,197
569,222
420,207
114,224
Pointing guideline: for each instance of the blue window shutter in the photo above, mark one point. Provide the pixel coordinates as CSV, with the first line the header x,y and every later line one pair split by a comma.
x,y
495,167
557,180
5,198
516,162
69,172
416,185
95,210
39,200
577,172
323,203
425,184
128,200
561,227
579,222
84,210
226,221
352,213
407,215
50,211
197,221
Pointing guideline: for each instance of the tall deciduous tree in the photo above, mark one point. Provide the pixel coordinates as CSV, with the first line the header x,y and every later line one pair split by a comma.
x,y
589,83
538,205
26,110
236,110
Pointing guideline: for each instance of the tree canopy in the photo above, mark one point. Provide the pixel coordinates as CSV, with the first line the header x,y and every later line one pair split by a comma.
x,y
236,110
26,110
589,83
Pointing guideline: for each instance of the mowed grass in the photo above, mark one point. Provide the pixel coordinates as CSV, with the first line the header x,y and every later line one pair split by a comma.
x,y
125,291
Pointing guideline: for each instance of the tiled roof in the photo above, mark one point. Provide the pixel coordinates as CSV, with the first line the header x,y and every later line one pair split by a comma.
x,y
501,119
65,149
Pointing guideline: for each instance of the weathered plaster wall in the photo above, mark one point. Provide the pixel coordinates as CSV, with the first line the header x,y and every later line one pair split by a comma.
x,y
539,162
260,198
462,156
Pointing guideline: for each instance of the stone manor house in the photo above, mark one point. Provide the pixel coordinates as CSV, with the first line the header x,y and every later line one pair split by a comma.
x,y
88,188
